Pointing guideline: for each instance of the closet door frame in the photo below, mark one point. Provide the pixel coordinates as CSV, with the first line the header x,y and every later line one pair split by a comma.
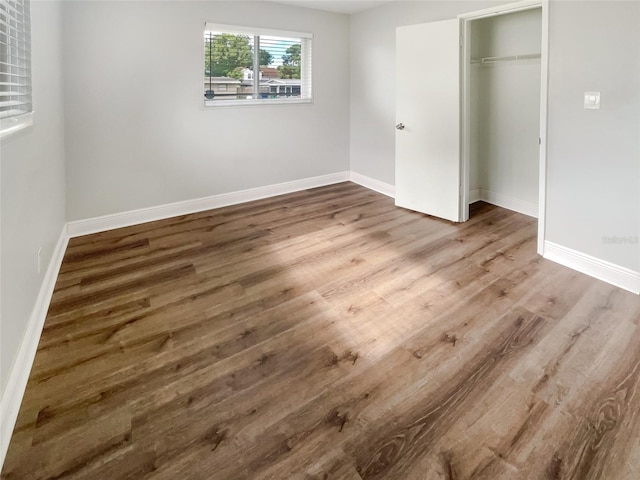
x,y
465,20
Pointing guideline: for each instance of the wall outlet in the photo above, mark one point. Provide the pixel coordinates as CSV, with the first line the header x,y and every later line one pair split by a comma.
x,y
592,100
39,259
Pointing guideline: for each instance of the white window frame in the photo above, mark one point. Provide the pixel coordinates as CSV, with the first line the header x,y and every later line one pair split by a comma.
x,y
15,123
305,68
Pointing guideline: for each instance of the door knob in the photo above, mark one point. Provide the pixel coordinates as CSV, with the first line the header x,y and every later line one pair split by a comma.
x,y
400,126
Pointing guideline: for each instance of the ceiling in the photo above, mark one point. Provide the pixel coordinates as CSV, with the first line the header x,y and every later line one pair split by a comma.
x,y
339,6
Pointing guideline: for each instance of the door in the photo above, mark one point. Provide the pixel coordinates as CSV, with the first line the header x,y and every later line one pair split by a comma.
x,y
428,173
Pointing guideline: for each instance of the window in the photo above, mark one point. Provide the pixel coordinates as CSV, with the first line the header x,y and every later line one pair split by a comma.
x,y
15,66
283,66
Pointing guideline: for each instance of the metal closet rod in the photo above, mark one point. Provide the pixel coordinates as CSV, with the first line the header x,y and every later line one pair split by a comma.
x,y
507,58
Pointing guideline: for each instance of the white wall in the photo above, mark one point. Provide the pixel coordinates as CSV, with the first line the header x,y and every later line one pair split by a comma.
x,y
505,109
593,188
373,54
32,198
137,134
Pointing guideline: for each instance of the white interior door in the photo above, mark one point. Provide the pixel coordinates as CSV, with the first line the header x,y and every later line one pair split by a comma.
x,y
428,173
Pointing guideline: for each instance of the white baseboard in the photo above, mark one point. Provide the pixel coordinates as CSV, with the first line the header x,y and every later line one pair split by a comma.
x,y
19,374
134,217
504,201
602,270
373,184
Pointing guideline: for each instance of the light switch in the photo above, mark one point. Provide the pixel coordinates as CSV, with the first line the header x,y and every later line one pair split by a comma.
x,y
592,100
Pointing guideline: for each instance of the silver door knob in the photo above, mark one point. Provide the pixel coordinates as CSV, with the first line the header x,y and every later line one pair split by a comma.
x,y
400,126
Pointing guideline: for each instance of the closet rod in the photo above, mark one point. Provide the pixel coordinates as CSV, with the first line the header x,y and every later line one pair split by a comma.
x,y
508,58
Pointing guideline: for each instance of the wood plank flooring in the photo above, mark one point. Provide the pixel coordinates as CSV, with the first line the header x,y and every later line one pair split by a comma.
x,y
327,334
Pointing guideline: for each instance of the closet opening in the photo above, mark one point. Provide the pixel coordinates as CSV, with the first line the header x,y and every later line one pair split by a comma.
x,y
502,110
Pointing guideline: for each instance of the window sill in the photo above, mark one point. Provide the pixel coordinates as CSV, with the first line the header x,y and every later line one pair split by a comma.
x,y
9,126
213,104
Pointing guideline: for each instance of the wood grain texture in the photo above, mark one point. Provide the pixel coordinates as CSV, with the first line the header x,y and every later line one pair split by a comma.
x,y
327,334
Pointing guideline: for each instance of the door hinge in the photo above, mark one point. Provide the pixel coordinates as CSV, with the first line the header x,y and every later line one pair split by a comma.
x,y
539,141
461,41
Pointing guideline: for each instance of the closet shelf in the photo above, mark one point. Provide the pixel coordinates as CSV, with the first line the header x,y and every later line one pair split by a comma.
x,y
508,58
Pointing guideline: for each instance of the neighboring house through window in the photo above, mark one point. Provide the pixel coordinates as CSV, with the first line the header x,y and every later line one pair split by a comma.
x,y
280,72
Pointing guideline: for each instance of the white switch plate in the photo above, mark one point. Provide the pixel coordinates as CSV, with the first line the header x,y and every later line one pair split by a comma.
x,y
592,100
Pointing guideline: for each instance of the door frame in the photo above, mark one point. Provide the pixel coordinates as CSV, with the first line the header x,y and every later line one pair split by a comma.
x,y
465,103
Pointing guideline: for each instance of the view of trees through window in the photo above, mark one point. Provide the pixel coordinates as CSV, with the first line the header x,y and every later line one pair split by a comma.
x,y
229,66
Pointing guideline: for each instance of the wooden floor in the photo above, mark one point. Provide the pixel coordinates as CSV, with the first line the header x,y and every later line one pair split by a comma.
x,y
327,334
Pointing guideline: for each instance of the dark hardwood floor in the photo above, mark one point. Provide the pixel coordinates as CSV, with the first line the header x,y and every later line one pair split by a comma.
x,y
327,334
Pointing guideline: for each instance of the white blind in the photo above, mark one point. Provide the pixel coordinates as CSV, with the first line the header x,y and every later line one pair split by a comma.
x,y
305,68
15,58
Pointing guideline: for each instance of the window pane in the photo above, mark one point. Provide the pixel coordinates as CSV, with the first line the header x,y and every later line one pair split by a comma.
x,y
280,62
228,60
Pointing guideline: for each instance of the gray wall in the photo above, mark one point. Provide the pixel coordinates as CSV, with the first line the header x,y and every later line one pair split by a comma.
x,y
32,198
593,189
136,132
593,186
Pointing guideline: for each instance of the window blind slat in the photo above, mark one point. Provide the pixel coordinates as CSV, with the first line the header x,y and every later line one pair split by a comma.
x,y
14,76
11,113
13,65
12,103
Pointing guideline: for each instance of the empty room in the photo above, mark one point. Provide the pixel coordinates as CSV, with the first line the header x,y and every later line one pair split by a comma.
x,y
320,239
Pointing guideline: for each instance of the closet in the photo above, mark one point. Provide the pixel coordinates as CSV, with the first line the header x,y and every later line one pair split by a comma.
x,y
469,115
504,110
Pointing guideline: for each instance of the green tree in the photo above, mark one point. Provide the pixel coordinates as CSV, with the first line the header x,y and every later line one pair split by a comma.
x,y
265,58
227,54
236,73
290,67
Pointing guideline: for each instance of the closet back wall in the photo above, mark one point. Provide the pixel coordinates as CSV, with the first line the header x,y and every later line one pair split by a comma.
x,y
136,133
505,110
